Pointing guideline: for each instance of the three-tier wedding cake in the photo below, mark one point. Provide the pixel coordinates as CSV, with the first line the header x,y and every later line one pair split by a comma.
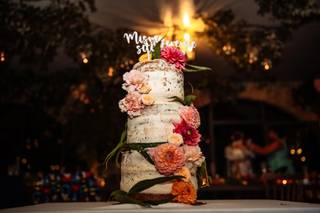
x,y
162,133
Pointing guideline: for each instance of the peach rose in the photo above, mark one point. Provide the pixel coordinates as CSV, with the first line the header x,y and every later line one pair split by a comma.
x,y
145,89
131,104
191,115
193,154
133,80
175,139
147,99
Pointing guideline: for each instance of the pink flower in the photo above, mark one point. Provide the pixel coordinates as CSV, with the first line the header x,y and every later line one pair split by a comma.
x,y
174,56
191,115
190,135
168,158
193,154
131,104
134,80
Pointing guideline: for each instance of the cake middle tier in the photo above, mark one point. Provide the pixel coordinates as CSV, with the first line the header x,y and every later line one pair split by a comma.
x,y
155,124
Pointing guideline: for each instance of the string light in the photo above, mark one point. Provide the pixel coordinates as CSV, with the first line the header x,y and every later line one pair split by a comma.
x,y
253,56
228,49
266,63
2,56
84,58
110,71
299,151
292,151
303,159
284,182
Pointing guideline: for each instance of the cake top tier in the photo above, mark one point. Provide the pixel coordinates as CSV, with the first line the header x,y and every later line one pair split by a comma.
x,y
163,78
155,65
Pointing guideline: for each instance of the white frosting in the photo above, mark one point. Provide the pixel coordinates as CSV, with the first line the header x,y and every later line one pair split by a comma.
x,y
155,124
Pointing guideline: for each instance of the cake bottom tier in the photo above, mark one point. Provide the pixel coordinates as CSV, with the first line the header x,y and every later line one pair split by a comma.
x,y
135,168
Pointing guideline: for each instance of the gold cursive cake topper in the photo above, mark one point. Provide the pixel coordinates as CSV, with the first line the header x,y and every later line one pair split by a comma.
x,y
146,44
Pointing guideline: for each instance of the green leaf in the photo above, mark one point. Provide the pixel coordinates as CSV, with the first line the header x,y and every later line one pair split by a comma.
x,y
146,156
189,99
194,68
141,146
202,174
123,197
158,202
145,184
177,99
157,51
118,147
156,54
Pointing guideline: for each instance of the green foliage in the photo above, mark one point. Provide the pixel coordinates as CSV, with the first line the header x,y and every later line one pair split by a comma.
x,y
116,149
187,101
157,51
141,148
193,68
202,174
124,197
145,184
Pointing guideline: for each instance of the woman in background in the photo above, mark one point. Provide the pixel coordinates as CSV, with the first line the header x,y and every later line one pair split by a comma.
x,y
277,153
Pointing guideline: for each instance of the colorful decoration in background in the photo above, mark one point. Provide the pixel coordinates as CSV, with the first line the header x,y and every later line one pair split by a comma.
x,y
62,187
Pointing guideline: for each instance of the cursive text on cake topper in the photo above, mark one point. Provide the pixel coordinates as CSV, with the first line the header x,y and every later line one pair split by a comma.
x,y
146,44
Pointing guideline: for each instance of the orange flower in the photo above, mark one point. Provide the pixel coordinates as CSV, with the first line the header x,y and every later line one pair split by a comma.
x,y
184,192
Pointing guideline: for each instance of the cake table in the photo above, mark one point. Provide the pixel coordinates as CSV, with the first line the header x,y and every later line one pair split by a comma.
x,y
225,206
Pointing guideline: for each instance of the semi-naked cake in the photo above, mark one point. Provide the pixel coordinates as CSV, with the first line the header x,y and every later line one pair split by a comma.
x,y
163,128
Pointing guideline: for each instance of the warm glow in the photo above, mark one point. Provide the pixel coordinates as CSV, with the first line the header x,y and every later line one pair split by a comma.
x,y
299,151
228,49
284,182
266,64
85,60
187,37
303,159
101,182
186,20
292,151
2,57
24,161
110,71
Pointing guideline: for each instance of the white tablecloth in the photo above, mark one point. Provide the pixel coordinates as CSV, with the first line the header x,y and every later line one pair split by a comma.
x,y
216,206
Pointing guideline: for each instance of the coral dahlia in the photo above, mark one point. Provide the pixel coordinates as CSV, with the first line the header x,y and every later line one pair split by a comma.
x,y
168,158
